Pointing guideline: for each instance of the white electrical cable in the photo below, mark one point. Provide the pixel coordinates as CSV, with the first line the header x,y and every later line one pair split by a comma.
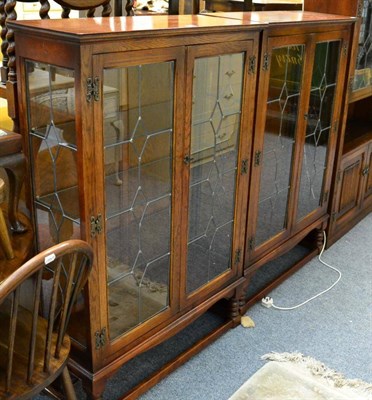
x,y
319,294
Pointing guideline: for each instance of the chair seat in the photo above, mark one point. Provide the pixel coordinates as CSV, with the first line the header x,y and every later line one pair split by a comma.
x,y
10,142
20,389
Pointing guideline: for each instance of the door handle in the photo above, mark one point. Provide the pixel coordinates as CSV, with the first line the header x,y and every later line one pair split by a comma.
x,y
187,159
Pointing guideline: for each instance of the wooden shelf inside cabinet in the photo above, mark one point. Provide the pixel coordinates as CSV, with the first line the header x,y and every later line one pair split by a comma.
x,y
360,94
358,133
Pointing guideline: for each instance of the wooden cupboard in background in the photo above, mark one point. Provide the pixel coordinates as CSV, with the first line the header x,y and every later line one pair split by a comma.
x,y
146,139
351,196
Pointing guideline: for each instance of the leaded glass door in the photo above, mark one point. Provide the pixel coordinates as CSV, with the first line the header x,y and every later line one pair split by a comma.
x,y
139,204
322,115
53,152
278,127
215,151
295,136
362,84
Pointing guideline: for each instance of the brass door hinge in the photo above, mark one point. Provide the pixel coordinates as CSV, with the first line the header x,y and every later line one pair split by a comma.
x,y
360,8
92,89
251,243
252,65
101,338
365,171
344,48
244,169
257,158
339,174
265,63
95,225
325,197
238,256
335,127
351,85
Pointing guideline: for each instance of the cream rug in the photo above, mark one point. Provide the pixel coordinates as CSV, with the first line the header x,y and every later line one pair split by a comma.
x,y
291,376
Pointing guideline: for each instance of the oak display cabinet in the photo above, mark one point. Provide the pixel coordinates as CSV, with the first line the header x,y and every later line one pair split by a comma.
x,y
138,143
300,96
144,139
352,187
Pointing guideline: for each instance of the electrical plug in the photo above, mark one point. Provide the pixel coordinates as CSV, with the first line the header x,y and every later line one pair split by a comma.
x,y
267,302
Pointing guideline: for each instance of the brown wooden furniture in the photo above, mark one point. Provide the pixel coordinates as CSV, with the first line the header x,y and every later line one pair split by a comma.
x,y
12,160
4,234
251,5
121,5
276,5
157,152
295,141
352,187
34,349
8,73
228,5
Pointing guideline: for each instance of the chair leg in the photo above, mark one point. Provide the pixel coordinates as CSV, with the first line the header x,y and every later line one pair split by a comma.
x,y
67,385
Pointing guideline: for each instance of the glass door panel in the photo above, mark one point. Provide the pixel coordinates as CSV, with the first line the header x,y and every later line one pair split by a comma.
x,y
138,136
318,127
363,69
53,149
279,140
217,102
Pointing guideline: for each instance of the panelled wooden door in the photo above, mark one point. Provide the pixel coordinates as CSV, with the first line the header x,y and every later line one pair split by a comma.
x,y
221,82
350,184
367,173
138,159
296,135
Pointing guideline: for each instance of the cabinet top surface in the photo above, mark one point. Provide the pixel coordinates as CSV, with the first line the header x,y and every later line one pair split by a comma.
x,y
120,25
172,23
282,17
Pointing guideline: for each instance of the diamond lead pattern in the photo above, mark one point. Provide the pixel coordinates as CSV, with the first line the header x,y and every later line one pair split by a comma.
x,y
138,154
318,127
217,92
280,130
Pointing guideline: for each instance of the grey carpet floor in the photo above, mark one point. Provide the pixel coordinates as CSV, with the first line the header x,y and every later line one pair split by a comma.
x,y
335,328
